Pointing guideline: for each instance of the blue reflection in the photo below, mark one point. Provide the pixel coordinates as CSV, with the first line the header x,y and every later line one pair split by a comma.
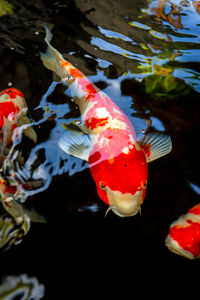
x,y
191,77
93,208
195,188
157,124
103,63
113,34
190,55
139,25
107,46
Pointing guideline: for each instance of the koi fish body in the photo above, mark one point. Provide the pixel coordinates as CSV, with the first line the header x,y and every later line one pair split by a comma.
x,y
117,161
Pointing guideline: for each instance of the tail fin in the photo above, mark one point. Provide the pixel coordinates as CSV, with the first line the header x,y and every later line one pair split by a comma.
x,y
52,59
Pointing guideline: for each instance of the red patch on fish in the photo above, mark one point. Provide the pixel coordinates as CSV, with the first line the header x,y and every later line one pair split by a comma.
x,y
96,122
147,150
7,110
123,166
187,237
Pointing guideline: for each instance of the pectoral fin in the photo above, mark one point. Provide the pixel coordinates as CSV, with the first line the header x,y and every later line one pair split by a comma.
x,y
155,145
76,143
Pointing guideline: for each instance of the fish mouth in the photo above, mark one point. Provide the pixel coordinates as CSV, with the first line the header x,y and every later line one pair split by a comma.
x,y
124,215
174,247
125,205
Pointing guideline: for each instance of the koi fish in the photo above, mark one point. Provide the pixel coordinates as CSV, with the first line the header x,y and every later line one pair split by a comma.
x,y
106,139
184,234
13,110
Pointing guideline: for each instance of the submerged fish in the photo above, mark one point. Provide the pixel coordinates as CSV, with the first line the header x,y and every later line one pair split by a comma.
x,y
184,234
107,140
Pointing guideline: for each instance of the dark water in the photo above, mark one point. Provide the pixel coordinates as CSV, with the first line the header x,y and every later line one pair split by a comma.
x,y
145,56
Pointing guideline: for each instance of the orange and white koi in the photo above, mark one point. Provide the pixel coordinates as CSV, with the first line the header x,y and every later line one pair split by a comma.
x,y
184,234
107,140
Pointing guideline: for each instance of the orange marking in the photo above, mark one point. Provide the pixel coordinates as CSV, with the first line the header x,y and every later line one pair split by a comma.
x,y
76,73
65,63
72,71
111,160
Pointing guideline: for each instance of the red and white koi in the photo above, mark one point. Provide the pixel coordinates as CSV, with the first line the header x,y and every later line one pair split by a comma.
x,y
184,234
107,140
13,110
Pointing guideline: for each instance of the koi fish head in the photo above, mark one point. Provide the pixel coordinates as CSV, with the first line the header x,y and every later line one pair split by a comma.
x,y
184,234
121,181
12,93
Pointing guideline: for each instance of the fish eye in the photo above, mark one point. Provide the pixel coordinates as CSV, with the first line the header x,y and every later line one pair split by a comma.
x,y
102,186
125,165
145,185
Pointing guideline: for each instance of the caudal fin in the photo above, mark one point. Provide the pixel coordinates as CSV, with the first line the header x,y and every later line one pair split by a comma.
x,y
52,59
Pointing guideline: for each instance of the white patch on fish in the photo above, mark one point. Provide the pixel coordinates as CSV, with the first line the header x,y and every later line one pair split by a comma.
x,y
103,142
90,105
102,112
126,150
75,90
116,124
